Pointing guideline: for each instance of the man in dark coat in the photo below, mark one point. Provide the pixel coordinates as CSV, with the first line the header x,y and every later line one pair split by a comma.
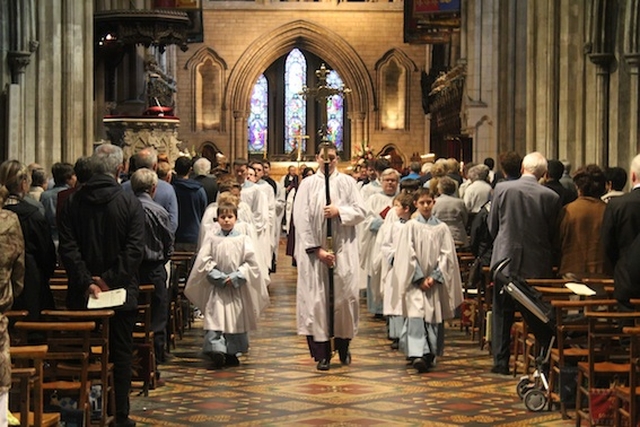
x,y
101,247
522,221
620,227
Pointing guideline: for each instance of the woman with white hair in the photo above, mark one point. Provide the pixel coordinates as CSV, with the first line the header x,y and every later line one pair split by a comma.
x,y
479,191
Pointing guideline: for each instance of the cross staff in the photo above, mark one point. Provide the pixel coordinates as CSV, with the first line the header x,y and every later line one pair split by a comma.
x,y
298,139
321,93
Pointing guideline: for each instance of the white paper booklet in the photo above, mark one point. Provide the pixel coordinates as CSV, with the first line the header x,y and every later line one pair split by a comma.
x,y
580,289
106,299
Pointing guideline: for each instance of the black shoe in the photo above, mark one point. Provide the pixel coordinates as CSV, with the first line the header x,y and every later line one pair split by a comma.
x,y
502,370
127,422
217,358
231,360
420,364
346,359
395,344
324,365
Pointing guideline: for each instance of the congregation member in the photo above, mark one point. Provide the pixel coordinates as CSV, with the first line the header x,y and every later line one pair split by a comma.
x,y
12,270
158,247
40,253
414,168
616,178
202,174
165,195
392,303
567,181
478,191
313,256
580,222
523,221
290,180
192,201
451,210
377,206
426,270
620,227
64,178
83,169
555,169
97,261
38,183
227,285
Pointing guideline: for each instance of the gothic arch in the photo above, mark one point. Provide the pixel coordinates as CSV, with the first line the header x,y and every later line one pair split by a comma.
x,y
400,95
311,37
395,156
218,66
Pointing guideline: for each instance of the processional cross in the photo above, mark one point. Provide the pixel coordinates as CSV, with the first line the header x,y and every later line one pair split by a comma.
x,y
321,93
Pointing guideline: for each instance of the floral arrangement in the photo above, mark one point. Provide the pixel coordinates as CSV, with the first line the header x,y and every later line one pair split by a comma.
x,y
362,155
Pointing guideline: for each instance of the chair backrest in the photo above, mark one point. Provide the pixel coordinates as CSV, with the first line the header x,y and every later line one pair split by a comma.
x,y
27,356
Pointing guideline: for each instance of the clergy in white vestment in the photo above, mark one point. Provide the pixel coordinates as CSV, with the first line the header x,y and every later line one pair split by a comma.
x,y
426,267
267,190
377,205
226,283
257,201
310,214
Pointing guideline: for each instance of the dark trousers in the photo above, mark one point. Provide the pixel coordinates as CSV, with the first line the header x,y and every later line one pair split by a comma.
x,y
502,319
155,273
322,349
121,355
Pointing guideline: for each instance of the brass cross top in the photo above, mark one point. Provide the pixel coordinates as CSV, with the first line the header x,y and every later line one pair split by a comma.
x,y
321,93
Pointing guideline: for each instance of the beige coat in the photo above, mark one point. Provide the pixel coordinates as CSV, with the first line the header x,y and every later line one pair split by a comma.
x,y
11,284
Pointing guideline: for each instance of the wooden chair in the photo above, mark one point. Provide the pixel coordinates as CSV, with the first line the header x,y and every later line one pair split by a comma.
x,y
144,360
27,371
181,263
627,395
607,361
100,368
59,287
68,343
571,346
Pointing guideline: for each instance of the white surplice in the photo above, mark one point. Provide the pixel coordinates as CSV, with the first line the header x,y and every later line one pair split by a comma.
x,y
228,309
422,248
310,226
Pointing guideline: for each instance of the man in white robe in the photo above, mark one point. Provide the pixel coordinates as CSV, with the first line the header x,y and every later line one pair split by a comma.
x,y
427,266
378,205
310,213
257,201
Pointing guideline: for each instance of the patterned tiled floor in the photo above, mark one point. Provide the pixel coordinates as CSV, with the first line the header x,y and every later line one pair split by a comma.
x,y
277,383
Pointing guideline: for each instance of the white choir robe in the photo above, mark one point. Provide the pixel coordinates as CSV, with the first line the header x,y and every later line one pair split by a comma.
x,y
288,211
277,220
423,248
367,190
228,309
310,227
375,205
267,190
209,218
257,200
387,242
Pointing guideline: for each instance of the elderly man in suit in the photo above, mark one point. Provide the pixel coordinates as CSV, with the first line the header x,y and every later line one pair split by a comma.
x,y
522,221
620,227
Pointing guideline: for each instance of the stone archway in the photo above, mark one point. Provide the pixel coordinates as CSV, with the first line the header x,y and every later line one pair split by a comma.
x,y
311,37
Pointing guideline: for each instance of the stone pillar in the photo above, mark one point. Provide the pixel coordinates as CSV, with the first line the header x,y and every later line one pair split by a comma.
x,y
634,111
239,137
358,130
601,145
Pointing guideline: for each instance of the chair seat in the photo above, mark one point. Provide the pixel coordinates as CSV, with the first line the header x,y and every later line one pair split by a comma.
x,y
570,352
48,418
63,385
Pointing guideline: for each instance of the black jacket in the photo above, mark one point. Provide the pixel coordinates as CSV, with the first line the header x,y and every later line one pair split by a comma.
x,y
101,234
39,260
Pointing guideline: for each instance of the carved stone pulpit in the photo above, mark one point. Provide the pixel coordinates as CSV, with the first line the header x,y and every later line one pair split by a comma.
x,y
132,133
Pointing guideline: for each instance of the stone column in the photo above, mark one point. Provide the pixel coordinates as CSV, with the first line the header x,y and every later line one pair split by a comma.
x,y
603,63
358,131
634,112
239,136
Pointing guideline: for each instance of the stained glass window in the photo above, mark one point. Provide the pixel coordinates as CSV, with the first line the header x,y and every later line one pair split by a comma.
x,y
335,112
295,108
258,117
